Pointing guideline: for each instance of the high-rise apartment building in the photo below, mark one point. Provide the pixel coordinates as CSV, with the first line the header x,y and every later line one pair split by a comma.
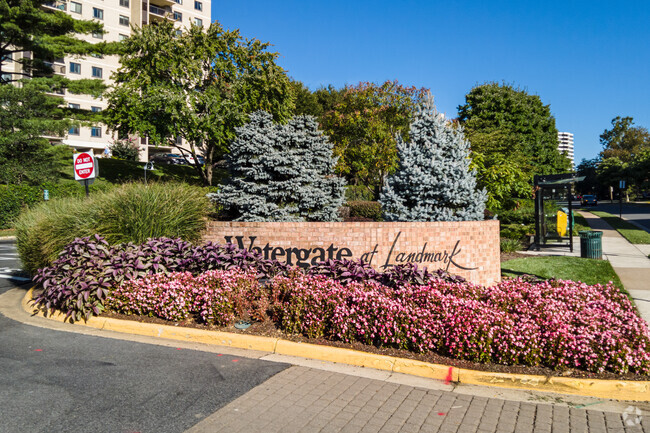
x,y
117,16
565,145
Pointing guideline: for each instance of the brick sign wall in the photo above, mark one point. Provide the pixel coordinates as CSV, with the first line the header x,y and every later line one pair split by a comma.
x,y
468,248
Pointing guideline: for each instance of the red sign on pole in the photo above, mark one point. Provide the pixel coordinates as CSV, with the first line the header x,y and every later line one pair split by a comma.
x,y
84,166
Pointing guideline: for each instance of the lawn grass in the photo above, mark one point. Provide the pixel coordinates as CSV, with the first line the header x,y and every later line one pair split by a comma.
x,y
579,223
629,231
589,271
120,171
7,232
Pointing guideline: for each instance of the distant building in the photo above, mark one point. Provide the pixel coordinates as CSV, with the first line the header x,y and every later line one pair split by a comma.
x,y
565,145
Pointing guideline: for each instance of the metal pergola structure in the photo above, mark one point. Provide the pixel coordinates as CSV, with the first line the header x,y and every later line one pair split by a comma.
x,y
551,185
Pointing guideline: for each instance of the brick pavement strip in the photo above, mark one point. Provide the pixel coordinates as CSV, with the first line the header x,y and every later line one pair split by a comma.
x,y
306,400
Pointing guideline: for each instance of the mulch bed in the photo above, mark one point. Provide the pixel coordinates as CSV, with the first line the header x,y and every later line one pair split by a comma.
x,y
510,256
268,329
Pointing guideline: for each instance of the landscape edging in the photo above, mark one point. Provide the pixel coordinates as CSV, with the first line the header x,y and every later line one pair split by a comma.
x,y
607,389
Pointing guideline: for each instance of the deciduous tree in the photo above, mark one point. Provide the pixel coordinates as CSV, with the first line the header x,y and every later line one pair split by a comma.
x,y
363,125
200,84
505,123
624,141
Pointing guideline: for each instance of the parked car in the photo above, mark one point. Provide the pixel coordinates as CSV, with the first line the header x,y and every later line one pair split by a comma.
x,y
589,200
168,158
189,159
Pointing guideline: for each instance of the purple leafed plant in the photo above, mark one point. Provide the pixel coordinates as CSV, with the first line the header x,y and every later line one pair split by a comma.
x,y
88,268
350,271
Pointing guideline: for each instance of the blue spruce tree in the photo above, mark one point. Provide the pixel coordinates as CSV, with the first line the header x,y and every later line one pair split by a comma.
x,y
281,173
433,181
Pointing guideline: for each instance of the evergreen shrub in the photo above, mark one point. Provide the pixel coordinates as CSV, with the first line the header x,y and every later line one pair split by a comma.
x,y
126,149
517,231
524,213
507,245
433,181
365,209
281,173
358,193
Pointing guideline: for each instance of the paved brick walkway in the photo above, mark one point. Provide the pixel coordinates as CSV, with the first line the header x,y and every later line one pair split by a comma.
x,y
304,400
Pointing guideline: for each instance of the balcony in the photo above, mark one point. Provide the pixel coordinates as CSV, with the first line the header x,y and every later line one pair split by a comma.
x,y
163,3
60,5
160,14
58,69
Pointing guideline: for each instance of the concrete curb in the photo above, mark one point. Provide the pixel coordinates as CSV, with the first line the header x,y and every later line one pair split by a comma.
x,y
606,389
7,238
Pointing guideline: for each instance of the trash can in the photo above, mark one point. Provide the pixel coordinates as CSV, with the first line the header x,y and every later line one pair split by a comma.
x,y
591,244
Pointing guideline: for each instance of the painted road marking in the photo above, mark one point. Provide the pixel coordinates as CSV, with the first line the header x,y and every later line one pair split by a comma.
x,y
8,274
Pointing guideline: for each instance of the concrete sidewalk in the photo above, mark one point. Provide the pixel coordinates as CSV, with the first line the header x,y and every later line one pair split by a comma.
x,y
630,262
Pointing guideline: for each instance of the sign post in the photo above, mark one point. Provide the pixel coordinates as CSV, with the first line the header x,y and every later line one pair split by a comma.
x,y
85,169
621,187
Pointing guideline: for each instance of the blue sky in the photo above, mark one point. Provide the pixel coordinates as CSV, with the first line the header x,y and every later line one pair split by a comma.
x,y
589,60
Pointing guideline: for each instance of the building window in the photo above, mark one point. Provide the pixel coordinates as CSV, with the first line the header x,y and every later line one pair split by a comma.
x,y
98,13
75,68
98,35
122,37
97,72
198,5
124,20
6,57
75,7
180,2
74,106
5,77
95,131
178,16
95,109
60,91
74,130
124,3
96,55
198,22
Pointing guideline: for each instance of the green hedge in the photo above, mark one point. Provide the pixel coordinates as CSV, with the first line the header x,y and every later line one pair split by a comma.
x,y
524,214
365,209
15,198
358,193
517,231
128,213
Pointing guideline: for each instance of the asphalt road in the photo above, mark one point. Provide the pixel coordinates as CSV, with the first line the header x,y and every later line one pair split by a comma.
x,y
10,268
639,213
52,381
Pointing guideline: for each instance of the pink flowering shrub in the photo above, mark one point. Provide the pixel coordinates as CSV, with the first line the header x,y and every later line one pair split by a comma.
x,y
219,297
167,296
214,297
556,324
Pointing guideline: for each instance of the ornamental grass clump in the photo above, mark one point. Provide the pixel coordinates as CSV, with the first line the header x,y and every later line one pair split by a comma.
x,y
128,213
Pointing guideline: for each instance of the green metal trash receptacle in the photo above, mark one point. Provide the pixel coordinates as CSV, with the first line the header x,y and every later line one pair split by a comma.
x,y
591,244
